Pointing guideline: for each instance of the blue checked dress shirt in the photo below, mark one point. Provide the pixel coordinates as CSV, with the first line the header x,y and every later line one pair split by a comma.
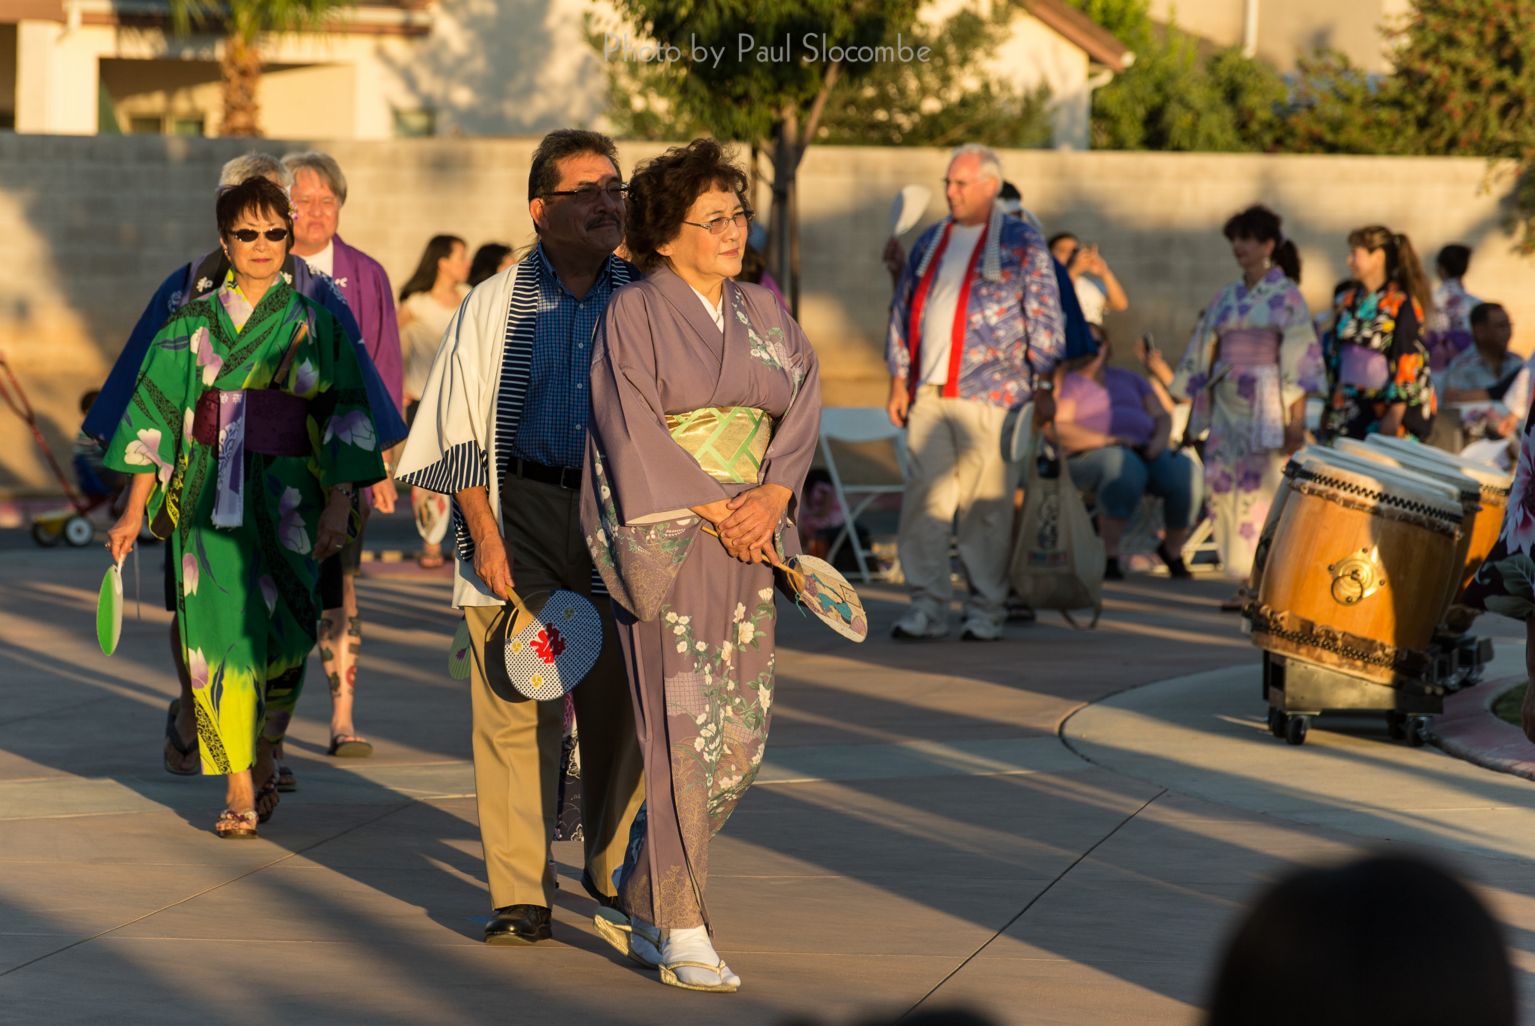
x,y
559,402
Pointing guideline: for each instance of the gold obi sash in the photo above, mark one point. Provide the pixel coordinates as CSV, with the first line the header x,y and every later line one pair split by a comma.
x,y
728,442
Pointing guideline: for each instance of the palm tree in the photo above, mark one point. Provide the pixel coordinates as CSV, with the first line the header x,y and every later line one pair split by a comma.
x,y
244,23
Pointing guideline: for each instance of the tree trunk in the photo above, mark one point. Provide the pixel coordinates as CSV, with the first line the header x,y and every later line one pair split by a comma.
x,y
240,69
791,137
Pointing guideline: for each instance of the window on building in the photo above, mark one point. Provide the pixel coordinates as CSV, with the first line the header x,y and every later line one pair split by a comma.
x,y
166,124
415,124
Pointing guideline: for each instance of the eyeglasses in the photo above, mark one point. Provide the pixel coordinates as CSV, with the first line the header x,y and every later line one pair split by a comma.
x,y
588,193
716,226
251,234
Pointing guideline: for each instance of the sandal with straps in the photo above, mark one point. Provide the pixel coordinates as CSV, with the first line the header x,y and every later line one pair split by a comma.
x,y
232,825
719,969
267,799
173,744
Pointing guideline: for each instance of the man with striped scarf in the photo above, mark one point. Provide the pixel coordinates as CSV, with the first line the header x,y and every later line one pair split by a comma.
x,y
976,331
502,428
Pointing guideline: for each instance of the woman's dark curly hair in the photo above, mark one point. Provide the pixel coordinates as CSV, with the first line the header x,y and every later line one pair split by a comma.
x,y
665,188
254,196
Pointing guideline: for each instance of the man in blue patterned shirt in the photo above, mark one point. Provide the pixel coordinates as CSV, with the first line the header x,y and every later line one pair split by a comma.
x,y
502,428
976,331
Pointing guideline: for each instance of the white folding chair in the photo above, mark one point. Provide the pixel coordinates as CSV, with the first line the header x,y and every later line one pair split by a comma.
x,y
855,424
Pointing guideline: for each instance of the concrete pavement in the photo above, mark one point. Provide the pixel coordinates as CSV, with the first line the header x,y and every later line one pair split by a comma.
x,y
1018,827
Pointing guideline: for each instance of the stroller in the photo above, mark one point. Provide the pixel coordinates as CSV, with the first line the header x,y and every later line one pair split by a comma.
x,y
72,523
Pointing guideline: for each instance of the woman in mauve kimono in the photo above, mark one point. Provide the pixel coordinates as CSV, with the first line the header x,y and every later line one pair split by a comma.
x,y
249,433
1252,361
706,413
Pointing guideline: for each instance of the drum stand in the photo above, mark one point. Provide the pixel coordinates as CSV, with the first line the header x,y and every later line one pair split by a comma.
x,y
1297,690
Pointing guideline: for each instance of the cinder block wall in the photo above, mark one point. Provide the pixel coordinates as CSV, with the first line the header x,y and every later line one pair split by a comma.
x,y
89,227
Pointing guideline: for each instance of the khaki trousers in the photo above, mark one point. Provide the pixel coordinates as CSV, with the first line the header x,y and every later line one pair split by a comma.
x,y
959,486
517,741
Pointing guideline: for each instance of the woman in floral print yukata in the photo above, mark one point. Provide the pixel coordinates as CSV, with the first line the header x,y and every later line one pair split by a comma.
x,y
706,411
248,432
1248,369
1377,363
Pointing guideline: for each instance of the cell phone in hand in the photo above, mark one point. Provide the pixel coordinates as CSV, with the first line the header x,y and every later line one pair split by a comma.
x,y
1148,345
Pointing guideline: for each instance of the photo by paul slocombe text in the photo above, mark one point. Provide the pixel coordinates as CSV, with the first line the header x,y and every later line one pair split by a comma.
x,y
811,47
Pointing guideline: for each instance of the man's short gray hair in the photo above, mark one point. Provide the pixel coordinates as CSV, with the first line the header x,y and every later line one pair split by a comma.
x,y
990,163
322,164
254,165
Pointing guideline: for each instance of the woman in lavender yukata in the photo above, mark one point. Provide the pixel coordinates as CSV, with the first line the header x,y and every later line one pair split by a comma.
x,y
1249,367
706,409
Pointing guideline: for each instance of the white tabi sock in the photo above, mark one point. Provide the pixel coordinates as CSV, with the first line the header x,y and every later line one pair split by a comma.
x,y
693,945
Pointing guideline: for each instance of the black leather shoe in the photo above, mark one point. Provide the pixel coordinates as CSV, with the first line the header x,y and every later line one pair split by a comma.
x,y
518,924
591,888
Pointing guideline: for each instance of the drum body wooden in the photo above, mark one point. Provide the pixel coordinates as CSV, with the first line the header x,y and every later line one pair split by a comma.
x,y
1468,489
1495,485
1357,569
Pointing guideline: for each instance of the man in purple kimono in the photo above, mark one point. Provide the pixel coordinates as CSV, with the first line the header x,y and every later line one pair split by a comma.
x,y
318,194
976,331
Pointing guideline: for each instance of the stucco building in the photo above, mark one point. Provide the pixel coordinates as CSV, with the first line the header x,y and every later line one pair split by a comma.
x,y
397,68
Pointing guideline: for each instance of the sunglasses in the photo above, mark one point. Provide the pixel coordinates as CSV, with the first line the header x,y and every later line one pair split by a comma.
x,y
251,234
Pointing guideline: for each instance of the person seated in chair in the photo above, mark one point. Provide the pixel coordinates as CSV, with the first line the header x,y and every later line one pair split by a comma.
x,y
1114,430
1488,384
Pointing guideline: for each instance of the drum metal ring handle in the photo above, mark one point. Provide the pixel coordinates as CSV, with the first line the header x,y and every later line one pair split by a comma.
x,y
1356,578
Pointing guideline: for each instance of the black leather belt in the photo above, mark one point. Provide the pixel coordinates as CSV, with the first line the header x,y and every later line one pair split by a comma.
x,y
564,477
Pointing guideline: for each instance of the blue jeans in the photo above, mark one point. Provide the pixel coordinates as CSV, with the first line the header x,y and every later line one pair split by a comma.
x,y
1120,477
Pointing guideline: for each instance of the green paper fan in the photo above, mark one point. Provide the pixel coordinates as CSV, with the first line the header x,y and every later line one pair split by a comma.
x,y
458,653
109,610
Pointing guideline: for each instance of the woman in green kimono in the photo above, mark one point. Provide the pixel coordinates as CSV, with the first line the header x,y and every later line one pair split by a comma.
x,y
248,433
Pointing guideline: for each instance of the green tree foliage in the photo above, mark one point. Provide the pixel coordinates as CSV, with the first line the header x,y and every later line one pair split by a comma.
x,y
243,23
941,101
1336,107
1172,99
1464,72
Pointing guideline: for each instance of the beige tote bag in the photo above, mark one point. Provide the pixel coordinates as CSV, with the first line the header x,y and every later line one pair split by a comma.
x,y
1058,559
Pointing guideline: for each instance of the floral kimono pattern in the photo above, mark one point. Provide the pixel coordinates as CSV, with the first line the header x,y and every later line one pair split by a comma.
x,y
697,627
246,596
1253,355
1376,359
1448,331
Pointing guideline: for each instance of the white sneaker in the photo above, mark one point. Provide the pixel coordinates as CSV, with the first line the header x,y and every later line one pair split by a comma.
x,y
919,625
980,628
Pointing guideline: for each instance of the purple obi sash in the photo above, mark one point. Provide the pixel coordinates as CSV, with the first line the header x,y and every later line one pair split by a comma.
x,y
276,423
1363,367
1249,347
1250,360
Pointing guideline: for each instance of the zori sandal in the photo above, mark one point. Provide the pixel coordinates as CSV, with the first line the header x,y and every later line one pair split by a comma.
x,y
640,945
234,825
175,752
349,746
719,969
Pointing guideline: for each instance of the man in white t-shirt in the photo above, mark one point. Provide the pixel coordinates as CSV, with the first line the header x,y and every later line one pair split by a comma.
x,y
1097,289
975,331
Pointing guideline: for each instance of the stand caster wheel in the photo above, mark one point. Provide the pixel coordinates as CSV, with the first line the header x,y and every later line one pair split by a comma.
x,y
1277,720
1396,726
46,536
79,531
1417,731
1296,730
